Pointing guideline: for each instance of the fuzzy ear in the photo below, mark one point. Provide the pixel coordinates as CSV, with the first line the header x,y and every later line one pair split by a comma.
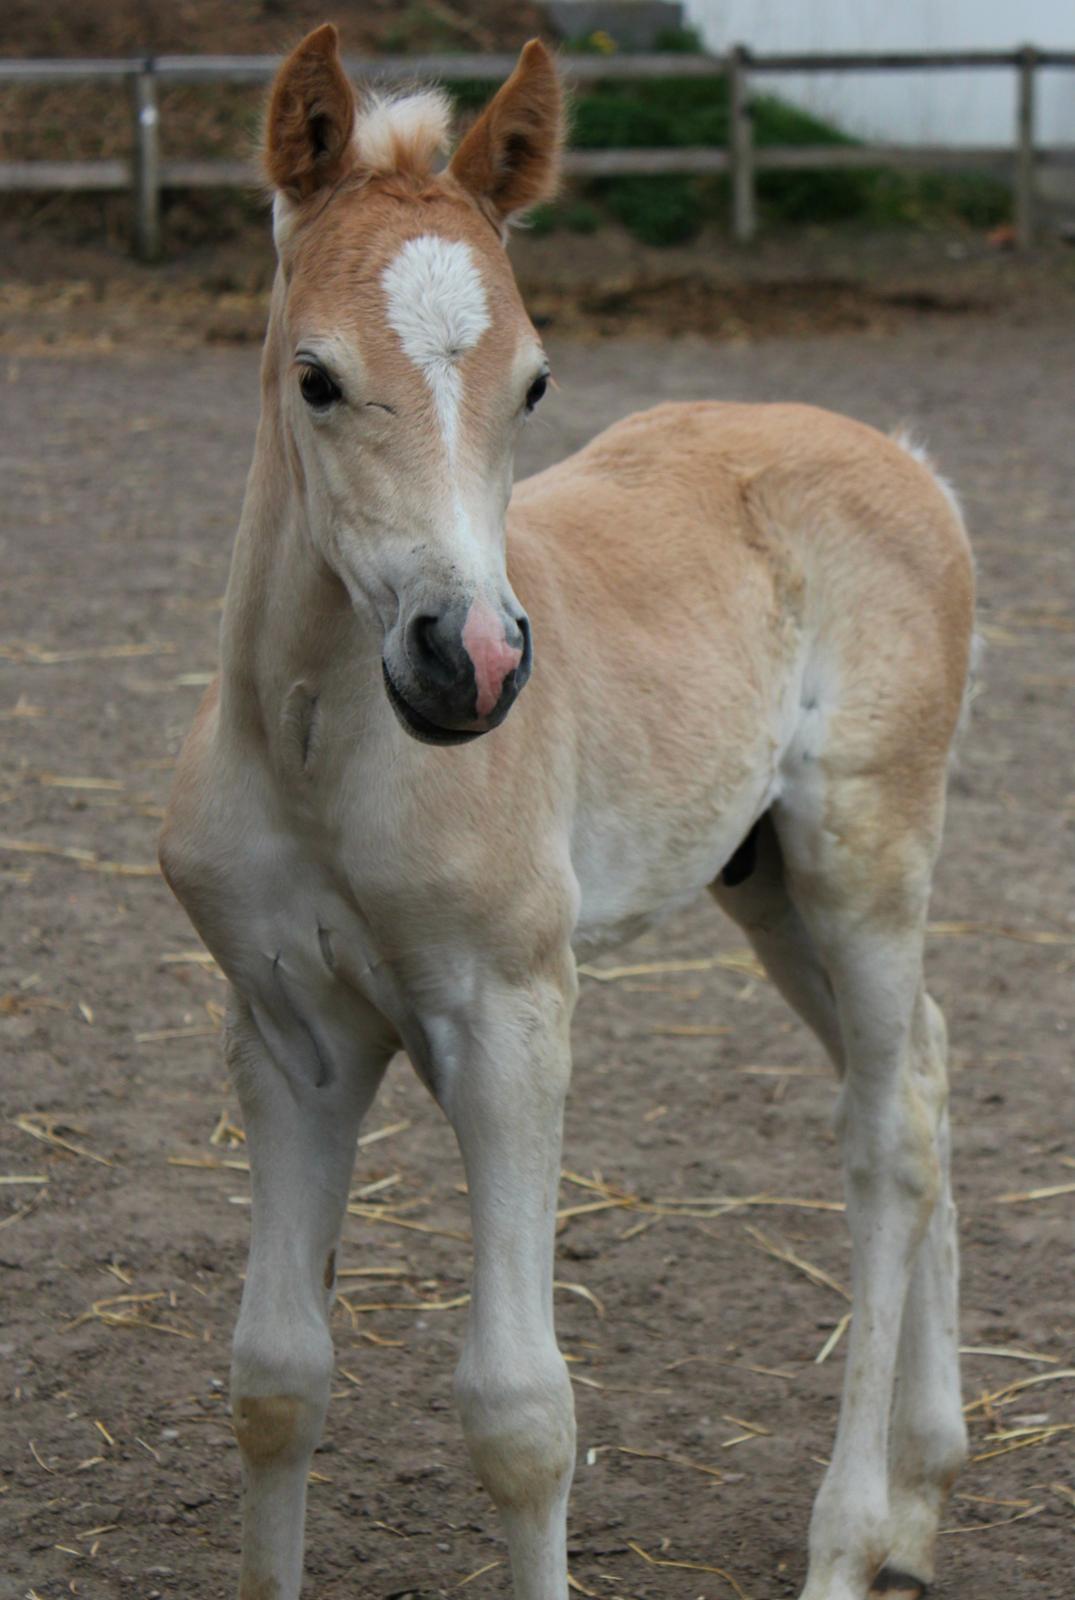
x,y
510,159
311,118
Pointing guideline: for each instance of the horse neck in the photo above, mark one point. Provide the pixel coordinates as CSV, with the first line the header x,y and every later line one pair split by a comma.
x,y
286,615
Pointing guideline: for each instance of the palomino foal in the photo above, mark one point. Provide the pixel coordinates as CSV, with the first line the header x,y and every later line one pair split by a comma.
x,y
751,630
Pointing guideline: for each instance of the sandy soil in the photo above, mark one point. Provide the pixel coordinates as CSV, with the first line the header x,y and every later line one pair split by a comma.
x,y
122,1251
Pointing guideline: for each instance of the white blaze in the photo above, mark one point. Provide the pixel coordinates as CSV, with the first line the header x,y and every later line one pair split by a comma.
x,y
437,307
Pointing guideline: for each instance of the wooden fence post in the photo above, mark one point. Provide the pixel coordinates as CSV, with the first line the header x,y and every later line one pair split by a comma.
x,y
147,192
1024,153
741,141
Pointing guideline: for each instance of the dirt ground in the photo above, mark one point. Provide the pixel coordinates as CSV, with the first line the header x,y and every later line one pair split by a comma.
x,y
704,1411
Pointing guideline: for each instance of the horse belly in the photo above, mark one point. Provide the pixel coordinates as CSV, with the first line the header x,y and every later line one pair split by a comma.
x,y
634,872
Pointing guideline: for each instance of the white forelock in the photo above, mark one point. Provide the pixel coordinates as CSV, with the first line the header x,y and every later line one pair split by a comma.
x,y
402,131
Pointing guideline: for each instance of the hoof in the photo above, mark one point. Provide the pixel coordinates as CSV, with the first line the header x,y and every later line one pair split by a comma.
x,y
897,1585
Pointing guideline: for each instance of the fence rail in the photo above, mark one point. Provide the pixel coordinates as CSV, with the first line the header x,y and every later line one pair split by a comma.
x,y
146,175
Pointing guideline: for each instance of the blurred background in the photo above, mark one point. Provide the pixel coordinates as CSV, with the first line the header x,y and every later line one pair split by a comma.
x,y
887,180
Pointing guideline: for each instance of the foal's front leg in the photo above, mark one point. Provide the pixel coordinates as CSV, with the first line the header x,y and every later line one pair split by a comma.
x,y
502,1076
301,1128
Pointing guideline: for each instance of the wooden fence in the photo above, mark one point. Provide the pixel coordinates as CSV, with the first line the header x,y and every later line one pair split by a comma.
x,y
146,175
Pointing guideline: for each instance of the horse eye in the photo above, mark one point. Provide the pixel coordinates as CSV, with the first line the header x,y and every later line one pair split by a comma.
x,y
536,390
318,389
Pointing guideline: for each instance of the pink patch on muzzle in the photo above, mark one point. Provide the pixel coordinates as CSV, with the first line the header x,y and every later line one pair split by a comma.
x,y
493,657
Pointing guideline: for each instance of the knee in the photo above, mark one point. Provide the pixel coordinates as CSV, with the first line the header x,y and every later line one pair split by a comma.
x,y
279,1390
520,1429
275,1430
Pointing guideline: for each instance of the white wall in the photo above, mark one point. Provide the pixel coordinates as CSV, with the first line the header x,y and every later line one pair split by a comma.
x,y
912,108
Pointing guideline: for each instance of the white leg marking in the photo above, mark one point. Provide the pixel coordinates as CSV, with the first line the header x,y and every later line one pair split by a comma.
x,y
892,1178
438,309
505,1101
301,1141
928,1440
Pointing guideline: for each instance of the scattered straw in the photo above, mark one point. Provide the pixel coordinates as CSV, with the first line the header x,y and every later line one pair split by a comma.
x,y
384,1133
23,1177
165,1035
701,1207
673,1460
121,1311
643,969
751,1427
834,1339
785,1253
1001,1397
44,1128
31,847
42,1464
1023,1439
22,708
24,1211
639,1227
688,1030
580,1588
31,655
687,1566
226,1132
411,1305
1006,1353
1049,1193
993,930
53,780
488,1567
392,1220
376,1272
210,1163
86,859
365,1190
735,961
1003,1522
782,1072
581,1290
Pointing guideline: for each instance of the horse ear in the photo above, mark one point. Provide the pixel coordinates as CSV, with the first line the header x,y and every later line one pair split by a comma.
x,y
510,159
311,118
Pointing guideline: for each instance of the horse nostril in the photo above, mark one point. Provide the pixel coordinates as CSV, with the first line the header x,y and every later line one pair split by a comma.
x,y
429,651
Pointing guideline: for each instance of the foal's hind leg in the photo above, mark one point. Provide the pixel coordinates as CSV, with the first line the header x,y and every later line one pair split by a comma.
x,y
840,932
928,1439
861,882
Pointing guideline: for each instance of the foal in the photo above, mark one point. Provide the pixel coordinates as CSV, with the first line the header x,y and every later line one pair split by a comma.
x,y
750,643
